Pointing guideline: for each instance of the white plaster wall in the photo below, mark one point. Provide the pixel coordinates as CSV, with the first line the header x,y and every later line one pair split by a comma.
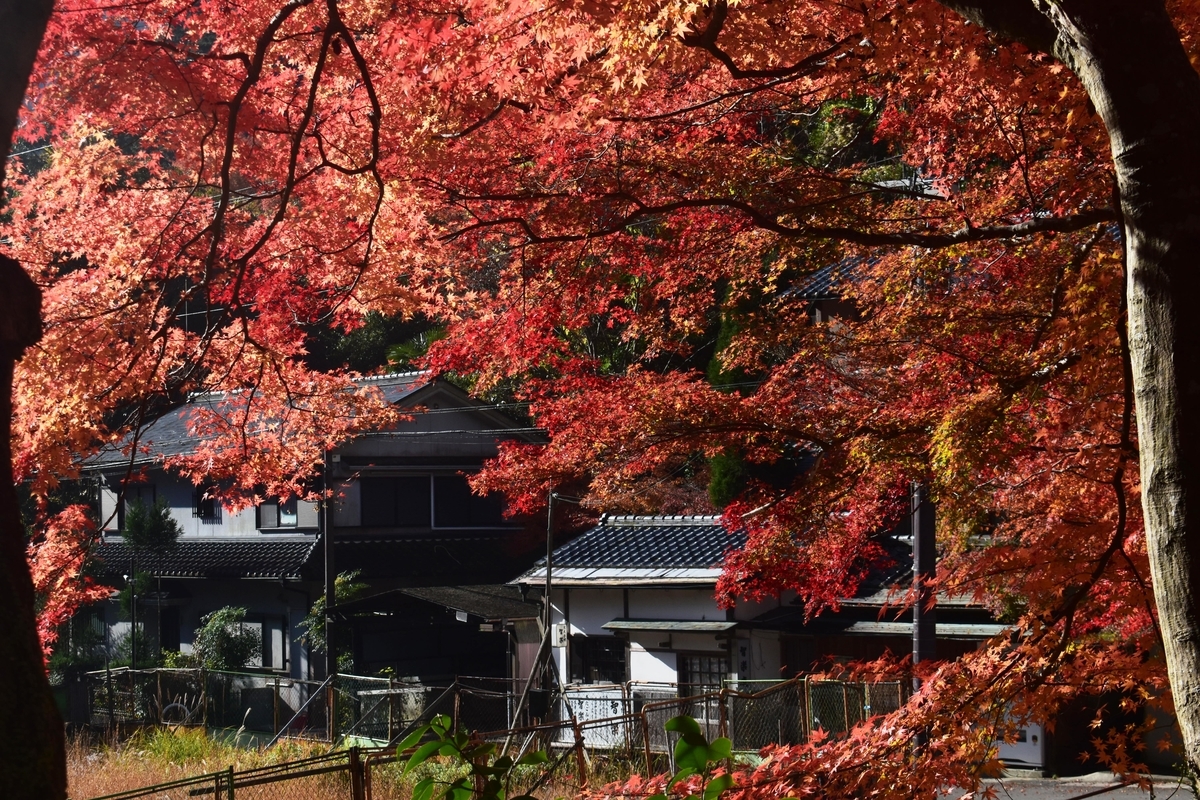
x,y
651,666
698,643
691,604
108,508
766,656
589,609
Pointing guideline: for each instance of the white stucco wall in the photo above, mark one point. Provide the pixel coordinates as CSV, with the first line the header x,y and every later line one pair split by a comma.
x,y
674,604
589,609
653,666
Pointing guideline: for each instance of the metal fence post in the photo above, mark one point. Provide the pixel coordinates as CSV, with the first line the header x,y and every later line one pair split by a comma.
x,y
722,716
646,740
229,778
112,711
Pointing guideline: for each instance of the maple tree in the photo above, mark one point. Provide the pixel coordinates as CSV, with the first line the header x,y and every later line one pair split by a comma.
x,y
584,193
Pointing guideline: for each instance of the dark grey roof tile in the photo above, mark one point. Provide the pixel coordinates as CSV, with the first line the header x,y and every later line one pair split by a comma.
x,y
650,542
246,557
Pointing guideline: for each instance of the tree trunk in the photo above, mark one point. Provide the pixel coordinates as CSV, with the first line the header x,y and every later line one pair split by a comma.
x,y
32,753
1133,66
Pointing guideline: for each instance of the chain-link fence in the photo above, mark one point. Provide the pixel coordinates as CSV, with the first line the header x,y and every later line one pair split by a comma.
x,y
372,711
622,722
837,706
259,703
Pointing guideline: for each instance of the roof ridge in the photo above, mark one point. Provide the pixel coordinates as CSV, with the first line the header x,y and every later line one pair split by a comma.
x,y
412,373
659,519
361,379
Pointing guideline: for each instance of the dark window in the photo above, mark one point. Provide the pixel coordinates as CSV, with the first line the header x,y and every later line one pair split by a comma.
x,y
168,628
395,502
455,506
701,674
278,514
268,514
597,659
204,505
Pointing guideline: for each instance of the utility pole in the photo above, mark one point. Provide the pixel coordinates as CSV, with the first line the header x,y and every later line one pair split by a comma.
x,y
330,585
924,572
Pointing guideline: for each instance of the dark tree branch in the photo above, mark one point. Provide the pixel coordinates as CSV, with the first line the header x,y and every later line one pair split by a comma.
x,y
706,40
770,221
1018,20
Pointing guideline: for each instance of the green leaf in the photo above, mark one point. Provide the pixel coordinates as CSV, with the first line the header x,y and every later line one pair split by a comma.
x,y
441,724
422,754
718,785
535,757
423,790
459,790
412,739
720,749
683,724
692,751
503,763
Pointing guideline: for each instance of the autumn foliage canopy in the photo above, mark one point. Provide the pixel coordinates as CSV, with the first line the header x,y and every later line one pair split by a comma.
x,y
629,215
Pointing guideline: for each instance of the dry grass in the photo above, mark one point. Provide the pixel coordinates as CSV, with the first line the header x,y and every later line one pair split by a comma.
x,y
96,767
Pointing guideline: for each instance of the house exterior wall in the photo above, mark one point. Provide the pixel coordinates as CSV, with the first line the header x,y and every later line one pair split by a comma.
x,y
652,666
180,496
690,604
653,656
274,608
592,608
455,436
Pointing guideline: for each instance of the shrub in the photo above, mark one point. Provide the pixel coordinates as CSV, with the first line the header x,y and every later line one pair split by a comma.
x,y
223,641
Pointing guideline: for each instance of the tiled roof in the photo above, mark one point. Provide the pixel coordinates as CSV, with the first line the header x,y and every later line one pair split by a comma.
x,y
650,542
825,283
169,435
243,557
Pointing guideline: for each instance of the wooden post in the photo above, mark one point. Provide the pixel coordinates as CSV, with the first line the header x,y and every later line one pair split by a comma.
x,y
580,761
357,791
